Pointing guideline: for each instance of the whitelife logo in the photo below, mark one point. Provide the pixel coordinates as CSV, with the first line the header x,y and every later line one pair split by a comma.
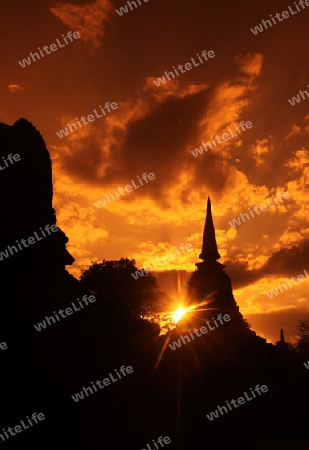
x,y
274,292
203,330
128,189
31,241
225,136
161,441
100,384
124,9
53,48
18,428
91,118
285,15
240,400
42,325
297,99
165,259
3,345
306,365
188,66
263,207
10,157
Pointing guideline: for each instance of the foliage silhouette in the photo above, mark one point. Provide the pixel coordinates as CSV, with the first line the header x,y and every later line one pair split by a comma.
x,y
302,345
112,281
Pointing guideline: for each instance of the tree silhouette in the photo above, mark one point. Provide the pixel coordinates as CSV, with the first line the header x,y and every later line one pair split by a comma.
x,y
303,332
113,282
303,329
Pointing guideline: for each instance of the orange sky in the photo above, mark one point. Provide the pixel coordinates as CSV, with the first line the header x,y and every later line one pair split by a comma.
x,y
155,129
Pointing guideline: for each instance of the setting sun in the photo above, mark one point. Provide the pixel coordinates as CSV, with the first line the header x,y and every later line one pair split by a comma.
x,y
179,313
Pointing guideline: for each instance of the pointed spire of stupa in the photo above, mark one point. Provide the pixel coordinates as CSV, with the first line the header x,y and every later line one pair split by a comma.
x,y
210,248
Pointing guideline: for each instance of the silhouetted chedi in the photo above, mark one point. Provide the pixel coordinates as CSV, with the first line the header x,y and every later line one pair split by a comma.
x,y
211,286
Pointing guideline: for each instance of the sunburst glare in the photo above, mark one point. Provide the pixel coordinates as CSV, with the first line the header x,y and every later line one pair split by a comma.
x,y
178,314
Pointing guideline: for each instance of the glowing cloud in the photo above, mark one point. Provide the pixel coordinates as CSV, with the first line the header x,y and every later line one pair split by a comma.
x,y
15,88
89,20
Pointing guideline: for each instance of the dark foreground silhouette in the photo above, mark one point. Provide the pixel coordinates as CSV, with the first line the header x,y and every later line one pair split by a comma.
x,y
168,392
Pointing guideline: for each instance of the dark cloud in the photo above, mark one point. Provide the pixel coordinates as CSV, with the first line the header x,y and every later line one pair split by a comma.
x,y
284,262
85,159
289,260
159,140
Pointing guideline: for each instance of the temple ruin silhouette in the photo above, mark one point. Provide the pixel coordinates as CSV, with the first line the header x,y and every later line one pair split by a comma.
x,y
211,287
41,370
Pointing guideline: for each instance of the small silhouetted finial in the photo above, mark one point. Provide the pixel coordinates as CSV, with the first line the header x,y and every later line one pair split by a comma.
x,y
210,248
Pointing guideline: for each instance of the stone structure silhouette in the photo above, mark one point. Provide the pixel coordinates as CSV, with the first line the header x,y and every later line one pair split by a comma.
x,y
209,281
34,282
27,205
211,287
40,370
282,344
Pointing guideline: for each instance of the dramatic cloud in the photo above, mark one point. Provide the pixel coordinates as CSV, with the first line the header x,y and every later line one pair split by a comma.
x,y
89,19
155,128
